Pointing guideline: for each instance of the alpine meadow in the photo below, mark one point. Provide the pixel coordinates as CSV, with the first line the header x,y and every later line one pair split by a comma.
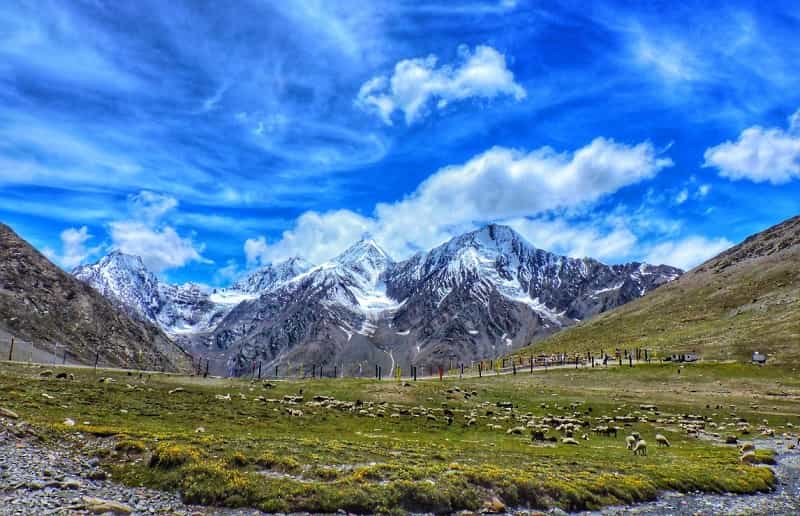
x,y
399,257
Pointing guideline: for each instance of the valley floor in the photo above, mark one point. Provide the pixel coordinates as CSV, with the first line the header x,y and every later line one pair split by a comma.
x,y
366,446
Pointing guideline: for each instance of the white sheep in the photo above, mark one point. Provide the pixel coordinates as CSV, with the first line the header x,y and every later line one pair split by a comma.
x,y
630,442
662,441
569,440
640,448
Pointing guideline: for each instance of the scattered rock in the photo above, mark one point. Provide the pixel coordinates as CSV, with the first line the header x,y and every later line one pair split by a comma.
x,y
177,389
494,505
100,506
8,413
70,484
97,474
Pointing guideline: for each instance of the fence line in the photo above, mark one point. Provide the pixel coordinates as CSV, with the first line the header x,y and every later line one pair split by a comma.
x,y
262,370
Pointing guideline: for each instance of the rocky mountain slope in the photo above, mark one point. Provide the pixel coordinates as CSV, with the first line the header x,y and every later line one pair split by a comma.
x,y
745,299
42,304
478,295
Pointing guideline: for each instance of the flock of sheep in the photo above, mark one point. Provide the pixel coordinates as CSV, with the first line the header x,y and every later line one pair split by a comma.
x,y
570,429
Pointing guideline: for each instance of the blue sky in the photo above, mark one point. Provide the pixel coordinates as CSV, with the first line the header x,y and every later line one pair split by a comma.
x,y
211,138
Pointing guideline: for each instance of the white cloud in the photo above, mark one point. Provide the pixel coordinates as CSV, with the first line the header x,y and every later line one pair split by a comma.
x,y
227,274
499,184
151,206
682,196
671,58
159,248
760,155
73,247
703,190
687,252
146,235
416,83
315,236
597,239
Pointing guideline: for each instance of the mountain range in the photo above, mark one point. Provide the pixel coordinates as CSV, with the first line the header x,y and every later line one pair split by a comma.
x,y
746,299
54,314
478,295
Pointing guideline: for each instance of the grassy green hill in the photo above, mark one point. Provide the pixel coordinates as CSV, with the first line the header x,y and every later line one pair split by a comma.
x,y
743,300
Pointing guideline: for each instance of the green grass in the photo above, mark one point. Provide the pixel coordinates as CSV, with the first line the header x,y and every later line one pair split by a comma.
x,y
722,314
248,452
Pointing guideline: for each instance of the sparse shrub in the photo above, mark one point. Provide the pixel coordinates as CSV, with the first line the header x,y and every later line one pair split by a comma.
x,y
238,459
214,483
285,464
130,446
168,456
101,431
326,474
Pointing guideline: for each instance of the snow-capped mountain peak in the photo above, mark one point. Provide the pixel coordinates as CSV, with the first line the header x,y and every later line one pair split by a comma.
x,y
366,261
271,275
365,250
124,279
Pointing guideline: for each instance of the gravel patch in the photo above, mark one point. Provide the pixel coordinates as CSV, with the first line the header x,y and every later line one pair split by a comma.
x,y
42,480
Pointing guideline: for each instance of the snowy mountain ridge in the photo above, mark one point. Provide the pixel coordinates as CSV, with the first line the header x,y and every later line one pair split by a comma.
x,y
178,309
475,295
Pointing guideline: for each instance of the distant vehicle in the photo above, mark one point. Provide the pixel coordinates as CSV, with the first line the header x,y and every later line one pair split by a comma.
x,y
683,357
759,358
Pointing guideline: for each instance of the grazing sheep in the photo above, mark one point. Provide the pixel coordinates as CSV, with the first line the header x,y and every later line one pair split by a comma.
x,y
630,442
747,447
569,440
662,441
640,448
517,430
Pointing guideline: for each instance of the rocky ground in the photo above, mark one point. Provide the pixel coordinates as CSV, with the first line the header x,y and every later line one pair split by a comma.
x,y
41,480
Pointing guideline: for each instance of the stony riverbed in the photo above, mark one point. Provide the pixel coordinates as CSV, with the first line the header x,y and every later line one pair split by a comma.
x,y
39,480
